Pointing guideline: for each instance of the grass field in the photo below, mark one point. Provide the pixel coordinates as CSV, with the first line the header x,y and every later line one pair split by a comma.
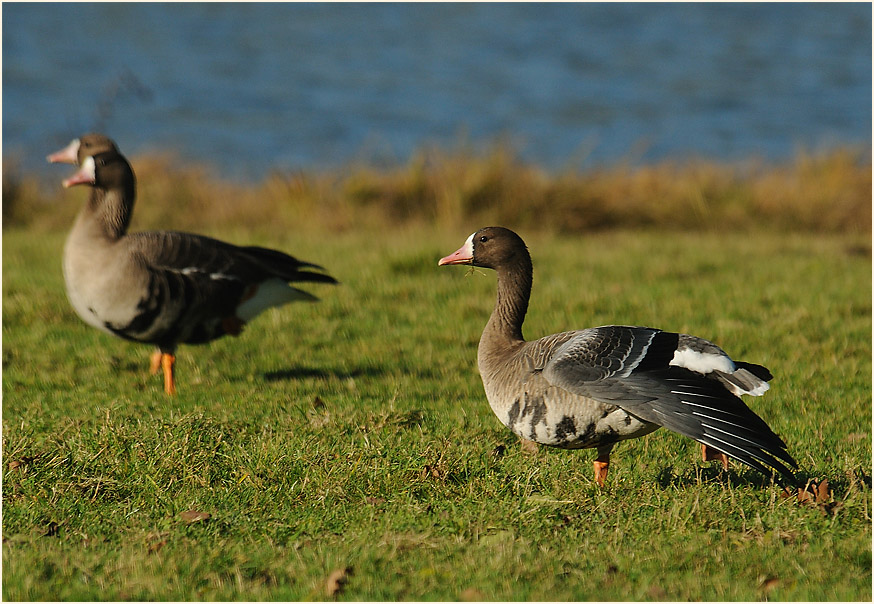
x,y
345,450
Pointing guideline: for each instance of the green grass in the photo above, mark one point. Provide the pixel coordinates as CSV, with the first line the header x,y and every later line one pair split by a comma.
x,y
354,434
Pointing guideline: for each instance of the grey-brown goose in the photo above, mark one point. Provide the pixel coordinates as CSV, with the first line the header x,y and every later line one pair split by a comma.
x,y
594,387
162,287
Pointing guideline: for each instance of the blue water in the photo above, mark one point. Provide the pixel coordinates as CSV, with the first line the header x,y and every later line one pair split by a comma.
x,y
255,87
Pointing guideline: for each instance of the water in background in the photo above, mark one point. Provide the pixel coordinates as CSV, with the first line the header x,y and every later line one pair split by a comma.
x,y
253,87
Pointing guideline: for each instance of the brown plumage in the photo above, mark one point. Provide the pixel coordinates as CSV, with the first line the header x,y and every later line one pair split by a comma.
x,y
594,387
162,287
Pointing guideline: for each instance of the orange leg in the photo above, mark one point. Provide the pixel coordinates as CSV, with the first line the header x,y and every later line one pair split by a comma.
x,y
602,464
155,362
168,361
708,454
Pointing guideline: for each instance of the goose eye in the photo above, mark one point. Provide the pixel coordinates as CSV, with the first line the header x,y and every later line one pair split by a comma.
x,y
483,238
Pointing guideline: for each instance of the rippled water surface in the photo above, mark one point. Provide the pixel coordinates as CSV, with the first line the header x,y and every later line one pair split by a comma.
x,y
252,87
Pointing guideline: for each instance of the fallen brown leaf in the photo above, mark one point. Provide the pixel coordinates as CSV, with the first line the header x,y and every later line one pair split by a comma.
x,y
813,492
21,464
192,516
155,547
430,471
472,594
816,494
768,583
529,447
336,580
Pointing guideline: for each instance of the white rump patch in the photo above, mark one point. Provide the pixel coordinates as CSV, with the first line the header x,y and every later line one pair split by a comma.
x,y
273,292
757,391
702,362
759,387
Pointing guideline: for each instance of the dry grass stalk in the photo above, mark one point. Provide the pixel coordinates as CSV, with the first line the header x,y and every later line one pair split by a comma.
x,y
815,193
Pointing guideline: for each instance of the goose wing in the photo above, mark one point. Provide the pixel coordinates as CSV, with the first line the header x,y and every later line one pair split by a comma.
x,y
207,258
190,283
673,380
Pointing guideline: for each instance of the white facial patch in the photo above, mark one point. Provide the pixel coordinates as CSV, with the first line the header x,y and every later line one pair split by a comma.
x,y
702,362
85,174
88,167
468,245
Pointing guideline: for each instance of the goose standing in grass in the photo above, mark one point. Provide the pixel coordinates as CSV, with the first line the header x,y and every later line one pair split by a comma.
x,y
594,387
162,287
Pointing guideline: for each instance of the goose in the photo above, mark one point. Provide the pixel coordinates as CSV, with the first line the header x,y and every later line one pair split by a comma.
x,y
162,287
592,388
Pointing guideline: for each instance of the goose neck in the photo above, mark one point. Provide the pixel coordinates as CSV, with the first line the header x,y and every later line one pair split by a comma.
x,y
110,211
513,293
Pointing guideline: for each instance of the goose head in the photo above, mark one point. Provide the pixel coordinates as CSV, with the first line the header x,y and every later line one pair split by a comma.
x,y
489,247
107,170
87,145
